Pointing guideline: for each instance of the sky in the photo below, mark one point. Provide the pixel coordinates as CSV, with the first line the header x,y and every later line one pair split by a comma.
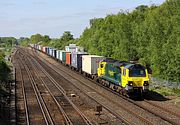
x,y
23,18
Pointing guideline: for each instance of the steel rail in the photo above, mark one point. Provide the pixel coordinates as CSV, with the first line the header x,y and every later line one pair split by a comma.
x,y
68,121
87,121
24,97
38,97
126,109
164,109
114,113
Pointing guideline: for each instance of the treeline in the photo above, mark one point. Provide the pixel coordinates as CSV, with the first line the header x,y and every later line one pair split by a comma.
x,y
150,35
45,40
7,41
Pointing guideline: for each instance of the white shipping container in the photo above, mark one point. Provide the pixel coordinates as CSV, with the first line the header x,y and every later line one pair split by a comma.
x,y
58,54
50,51
71,49
90,63
39,47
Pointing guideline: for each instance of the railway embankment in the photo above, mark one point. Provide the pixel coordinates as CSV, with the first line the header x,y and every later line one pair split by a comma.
x,y
7,89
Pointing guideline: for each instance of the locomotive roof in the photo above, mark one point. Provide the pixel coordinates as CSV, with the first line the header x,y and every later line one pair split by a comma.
x,y
134,66
115,62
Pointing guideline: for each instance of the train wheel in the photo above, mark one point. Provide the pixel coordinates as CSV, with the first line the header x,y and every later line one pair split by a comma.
x,y
97,80
107,84
102,82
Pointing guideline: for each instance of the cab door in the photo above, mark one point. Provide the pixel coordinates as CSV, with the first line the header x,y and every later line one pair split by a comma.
x,y
101,69
124,77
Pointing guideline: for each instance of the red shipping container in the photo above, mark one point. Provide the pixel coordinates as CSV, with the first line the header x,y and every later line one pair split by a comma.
x,y
44,49
68,58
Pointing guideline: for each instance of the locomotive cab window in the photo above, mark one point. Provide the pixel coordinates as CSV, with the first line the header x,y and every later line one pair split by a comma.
x,y
124,72
101,66
118,70
137,73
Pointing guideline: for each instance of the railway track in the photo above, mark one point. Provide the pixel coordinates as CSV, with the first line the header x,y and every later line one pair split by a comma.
x,y
34,110
99,99
124,121
163,108
24,98
20,93
170,120
70,118
64,97
120,116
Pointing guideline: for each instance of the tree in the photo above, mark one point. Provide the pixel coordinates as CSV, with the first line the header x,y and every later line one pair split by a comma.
x,y
150,34
8,41
36,38
142,8
5,71
46,38
24,41
67,36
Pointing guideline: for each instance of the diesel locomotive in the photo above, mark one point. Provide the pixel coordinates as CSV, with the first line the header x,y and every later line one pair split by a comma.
x,y
124,77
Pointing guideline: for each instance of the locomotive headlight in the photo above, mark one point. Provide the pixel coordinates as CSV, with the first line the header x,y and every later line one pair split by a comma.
x,y
130,83
146,83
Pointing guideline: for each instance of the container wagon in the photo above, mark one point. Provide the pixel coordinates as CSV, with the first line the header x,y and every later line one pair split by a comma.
x,y
76,60
63,56
68,58
90,65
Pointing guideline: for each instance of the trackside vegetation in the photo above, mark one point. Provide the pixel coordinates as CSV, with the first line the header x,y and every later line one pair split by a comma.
x,y
6,44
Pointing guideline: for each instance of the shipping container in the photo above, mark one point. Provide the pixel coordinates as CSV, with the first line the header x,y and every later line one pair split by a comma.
x,y
39,47
44,49
31,45
47,50
54,53
57,54
50,51
76,59
63,56
68,58
36,46
71,48
90,63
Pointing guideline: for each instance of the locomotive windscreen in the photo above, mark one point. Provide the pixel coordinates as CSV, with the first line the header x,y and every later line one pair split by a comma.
x,y
137,73
137,70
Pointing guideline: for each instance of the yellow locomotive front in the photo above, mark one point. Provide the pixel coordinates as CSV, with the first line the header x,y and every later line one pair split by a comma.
x,y
135,78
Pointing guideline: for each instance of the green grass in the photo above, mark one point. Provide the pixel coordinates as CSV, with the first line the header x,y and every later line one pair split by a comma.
x,y
3,90
165,91
177,91
8,51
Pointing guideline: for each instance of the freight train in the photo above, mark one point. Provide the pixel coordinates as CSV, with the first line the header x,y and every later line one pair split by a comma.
x,y
130,79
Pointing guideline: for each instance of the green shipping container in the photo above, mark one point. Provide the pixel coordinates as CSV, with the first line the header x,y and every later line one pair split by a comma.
x,y
63,56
